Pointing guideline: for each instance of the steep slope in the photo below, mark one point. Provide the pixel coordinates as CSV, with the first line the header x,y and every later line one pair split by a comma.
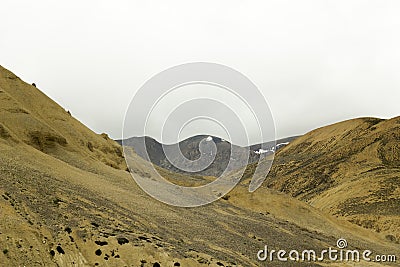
x,y
29,116
61,205
349,169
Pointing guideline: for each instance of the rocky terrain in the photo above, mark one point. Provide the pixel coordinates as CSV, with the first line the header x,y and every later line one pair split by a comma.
x,y
153,151
66,199
349,169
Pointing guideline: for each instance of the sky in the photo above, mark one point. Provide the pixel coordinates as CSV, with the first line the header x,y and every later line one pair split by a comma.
x,y
316,62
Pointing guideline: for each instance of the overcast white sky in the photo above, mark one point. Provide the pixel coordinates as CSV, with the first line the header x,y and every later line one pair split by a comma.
x,y
317,62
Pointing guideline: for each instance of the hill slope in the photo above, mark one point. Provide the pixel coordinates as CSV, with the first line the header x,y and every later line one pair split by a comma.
x,y
67,203
349,169
30,117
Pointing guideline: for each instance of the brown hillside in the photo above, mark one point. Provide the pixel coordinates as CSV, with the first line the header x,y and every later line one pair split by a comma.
x,y
29,116
60,205
349,169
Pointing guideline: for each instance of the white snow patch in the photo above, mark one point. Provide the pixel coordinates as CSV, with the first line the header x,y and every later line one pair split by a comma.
x,y
273,149
282,144
262,151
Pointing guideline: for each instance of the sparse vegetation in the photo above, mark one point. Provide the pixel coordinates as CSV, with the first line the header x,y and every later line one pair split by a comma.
x,y
61,205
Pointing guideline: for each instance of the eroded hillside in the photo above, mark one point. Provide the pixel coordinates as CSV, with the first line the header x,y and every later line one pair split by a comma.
x,y
349,169
67,200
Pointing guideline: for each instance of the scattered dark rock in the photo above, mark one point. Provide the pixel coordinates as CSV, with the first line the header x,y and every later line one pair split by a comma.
x,y
60,250
71,238
98,252
56,201
34,84
177,264
203,261
5,251
101,243
68,230
122,240
95,224
226,197
156,264
52,253
220,264
143,238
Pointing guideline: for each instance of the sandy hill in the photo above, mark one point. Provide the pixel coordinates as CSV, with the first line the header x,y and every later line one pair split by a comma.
x,y
28,116
67,200
349,169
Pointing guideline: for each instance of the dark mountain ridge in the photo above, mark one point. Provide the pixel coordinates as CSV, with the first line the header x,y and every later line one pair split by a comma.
x,y
190,148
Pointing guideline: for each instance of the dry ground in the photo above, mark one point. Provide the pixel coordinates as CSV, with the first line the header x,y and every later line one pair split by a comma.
x,y
67,200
